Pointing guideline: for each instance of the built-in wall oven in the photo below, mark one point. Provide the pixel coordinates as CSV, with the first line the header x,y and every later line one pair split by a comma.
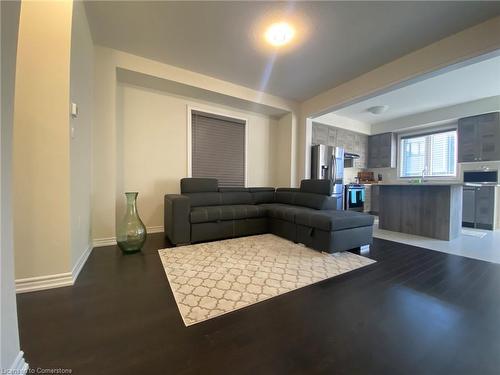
x,y
479,199
355,197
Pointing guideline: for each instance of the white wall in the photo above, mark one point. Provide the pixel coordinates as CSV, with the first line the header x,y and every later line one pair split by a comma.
x,y
282,151
9,342
344,123
81,91
152,146
109,180
41,161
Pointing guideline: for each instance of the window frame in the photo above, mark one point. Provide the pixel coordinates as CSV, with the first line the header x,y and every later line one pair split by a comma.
x,y
426,132
189,133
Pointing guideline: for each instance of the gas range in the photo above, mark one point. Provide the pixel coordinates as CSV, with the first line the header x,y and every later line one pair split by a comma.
x,y
354,197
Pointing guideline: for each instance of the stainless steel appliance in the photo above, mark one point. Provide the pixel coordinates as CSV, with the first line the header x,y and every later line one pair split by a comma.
x,y
327,162
349,158
355,197
479,199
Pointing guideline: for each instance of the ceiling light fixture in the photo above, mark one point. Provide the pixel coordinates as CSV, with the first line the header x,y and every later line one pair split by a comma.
x,y
279,34
378,109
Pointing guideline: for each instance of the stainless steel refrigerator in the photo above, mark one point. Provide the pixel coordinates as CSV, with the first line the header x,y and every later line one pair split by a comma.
x,y
327,162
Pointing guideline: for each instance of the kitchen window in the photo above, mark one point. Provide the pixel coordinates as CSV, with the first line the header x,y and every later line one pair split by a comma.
x,y
429,155
218,146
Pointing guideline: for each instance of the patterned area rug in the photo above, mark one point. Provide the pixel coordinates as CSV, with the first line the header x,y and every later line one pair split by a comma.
x,y
214,278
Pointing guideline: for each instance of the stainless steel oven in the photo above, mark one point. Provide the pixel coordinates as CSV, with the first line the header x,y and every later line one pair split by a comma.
x,y
355,197
478,206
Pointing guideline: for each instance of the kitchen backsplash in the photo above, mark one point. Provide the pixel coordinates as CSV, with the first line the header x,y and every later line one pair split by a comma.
x,y
356,143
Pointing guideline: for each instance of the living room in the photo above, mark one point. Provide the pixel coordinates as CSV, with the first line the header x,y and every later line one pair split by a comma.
x,y
207,114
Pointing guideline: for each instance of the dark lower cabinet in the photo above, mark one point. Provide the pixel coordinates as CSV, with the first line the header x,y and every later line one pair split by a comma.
x,y
375,196
478,207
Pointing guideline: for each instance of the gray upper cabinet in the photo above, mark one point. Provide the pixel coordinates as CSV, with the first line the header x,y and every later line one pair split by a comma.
x,y
479,138
382,151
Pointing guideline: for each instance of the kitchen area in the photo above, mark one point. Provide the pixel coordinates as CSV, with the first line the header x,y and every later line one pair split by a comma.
x,y
379,174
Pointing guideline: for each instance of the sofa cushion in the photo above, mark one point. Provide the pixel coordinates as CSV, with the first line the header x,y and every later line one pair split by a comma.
x,y
199,185
316,201
323,187
236,197
285,195
204,199
229,212
262,194
284,212
233,189
333,220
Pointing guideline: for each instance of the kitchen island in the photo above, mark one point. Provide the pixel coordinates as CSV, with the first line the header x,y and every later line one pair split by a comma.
x,y
428,209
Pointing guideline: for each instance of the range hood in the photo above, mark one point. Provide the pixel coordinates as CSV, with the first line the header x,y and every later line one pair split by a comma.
x,y
350,155
349,159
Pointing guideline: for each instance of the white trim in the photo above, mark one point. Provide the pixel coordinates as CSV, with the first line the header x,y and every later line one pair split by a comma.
x,y
80,263
156,229
32,284
308,143
189,167
19,366
218,112
100,242
111,241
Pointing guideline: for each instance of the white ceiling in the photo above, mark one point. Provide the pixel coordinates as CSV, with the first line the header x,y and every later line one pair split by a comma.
x,y
338,40
472,82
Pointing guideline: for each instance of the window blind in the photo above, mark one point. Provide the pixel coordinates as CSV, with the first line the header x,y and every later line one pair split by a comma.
x,y
433,154
218,148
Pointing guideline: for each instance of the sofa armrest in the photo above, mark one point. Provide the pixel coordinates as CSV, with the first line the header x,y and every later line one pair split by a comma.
x,y
176,222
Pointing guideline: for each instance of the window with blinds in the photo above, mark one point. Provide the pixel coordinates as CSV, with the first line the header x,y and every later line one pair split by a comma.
x,y
431,155
218,148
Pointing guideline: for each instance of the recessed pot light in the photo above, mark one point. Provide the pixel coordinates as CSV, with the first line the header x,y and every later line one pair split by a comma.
x,y
378,109
279,34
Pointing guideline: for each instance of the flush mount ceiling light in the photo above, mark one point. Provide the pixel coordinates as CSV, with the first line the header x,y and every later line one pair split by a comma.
x,y
378,109
279,34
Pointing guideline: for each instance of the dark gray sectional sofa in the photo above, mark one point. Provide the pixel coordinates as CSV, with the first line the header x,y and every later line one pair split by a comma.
x,y
204,212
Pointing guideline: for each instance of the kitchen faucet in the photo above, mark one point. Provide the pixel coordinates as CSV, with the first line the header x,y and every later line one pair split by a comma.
x,y
423,174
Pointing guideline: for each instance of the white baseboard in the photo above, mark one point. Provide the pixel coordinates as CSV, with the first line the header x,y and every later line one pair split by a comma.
x,y
32,284
157,229
80,263
100,242
19,366
110,241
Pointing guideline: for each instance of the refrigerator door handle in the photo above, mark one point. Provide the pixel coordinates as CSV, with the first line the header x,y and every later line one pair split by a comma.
x,y
334,168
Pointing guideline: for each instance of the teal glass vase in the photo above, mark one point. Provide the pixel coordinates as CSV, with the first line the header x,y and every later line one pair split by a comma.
x,y
131,232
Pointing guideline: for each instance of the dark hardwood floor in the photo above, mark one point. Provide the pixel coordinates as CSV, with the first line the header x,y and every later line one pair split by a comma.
x,y
415,311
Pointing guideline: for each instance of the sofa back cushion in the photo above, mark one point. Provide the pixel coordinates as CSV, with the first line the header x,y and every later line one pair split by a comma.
x,y
262,194
316,201
323,187
235,195
199,185
286,195
204,199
